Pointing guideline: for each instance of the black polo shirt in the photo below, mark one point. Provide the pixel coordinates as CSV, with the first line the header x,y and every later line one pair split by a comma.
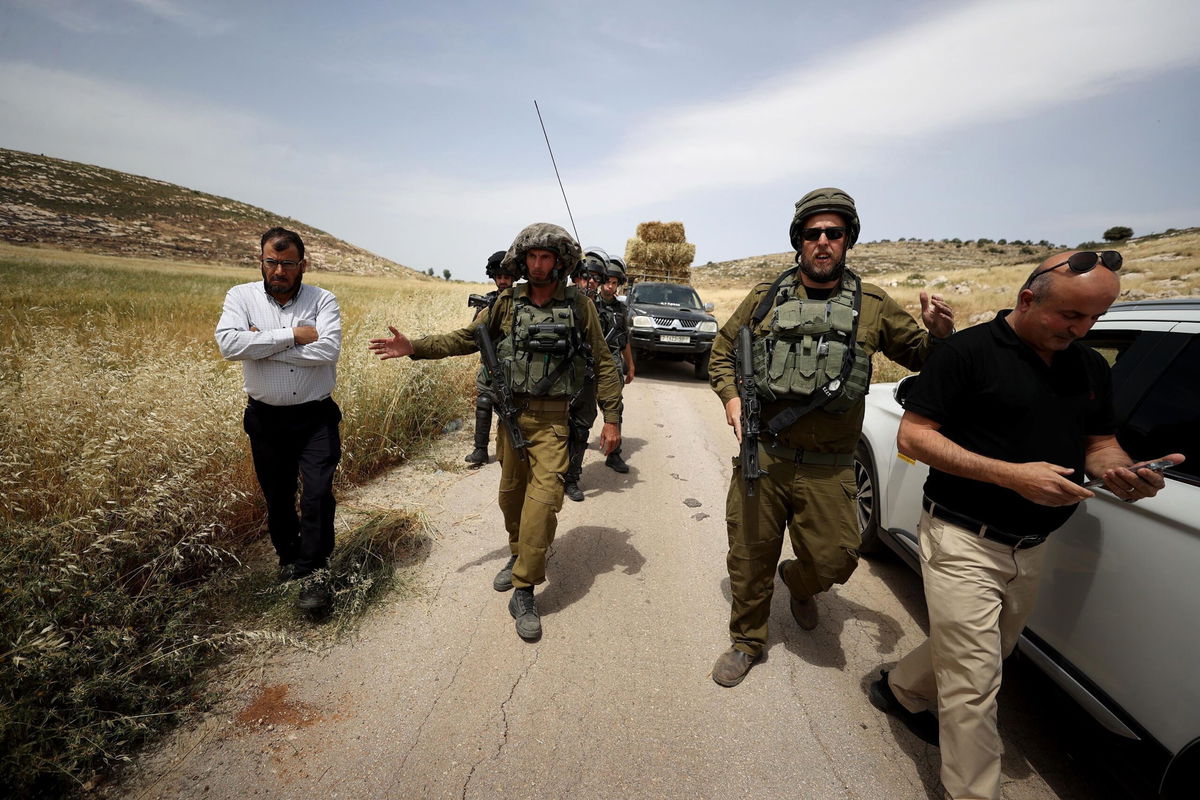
x,y
992,394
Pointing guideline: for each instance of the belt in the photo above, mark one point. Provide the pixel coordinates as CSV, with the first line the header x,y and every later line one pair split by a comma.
x,y
980,528
807,456
530,403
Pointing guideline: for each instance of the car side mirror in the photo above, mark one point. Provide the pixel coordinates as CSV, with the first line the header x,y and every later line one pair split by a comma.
x,y
903,389
709,307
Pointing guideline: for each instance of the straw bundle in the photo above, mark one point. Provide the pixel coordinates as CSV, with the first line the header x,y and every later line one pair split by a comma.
x,y
660,261
662,232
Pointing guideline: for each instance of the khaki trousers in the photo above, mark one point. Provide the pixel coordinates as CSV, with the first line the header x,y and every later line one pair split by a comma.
x,y
979,594
816,505
531,491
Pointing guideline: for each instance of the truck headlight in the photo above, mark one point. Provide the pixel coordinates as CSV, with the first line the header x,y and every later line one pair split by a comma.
x,y
707,327
642,322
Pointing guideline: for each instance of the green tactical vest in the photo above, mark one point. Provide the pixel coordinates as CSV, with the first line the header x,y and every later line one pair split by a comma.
x,y
542,353
809,344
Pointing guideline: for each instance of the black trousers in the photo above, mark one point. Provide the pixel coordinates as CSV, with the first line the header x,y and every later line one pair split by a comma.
x,y
289,443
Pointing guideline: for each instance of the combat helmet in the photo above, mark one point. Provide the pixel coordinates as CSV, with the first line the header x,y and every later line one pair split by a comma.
x,y
616,269
820,200
495,266
595,261
542,236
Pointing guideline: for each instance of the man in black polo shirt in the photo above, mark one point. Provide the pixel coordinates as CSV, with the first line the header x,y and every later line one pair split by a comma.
x,y
1009,416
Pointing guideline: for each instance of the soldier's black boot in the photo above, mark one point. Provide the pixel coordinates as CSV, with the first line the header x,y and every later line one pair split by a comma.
x,y
483,431
576,446
524,611
615,463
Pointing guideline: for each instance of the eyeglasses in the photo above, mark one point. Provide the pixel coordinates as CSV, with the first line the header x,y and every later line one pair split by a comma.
x,y
288,266
813,234
1083,262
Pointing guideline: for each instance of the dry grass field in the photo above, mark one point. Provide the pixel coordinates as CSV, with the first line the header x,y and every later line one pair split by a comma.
x,y
128,499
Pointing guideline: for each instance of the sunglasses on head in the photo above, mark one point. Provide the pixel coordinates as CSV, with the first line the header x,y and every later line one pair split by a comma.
x,y
1083,262
813,234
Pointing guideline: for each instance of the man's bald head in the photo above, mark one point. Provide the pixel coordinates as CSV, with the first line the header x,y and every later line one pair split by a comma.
x,y
1055,271
1060,305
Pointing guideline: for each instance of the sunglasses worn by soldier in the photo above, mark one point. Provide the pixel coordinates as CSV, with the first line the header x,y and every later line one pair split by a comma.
x,y
813,234
1083,262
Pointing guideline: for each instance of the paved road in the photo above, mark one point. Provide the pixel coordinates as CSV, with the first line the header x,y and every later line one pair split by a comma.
x,y
438,697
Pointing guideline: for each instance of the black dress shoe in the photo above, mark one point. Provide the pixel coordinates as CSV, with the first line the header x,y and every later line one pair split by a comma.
x,y
922,724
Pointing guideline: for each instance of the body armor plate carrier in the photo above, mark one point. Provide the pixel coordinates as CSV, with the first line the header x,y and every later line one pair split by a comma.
x,y
809,351
543,352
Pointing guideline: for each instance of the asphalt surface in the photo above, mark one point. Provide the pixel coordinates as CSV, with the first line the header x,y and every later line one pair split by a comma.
x,y
438,697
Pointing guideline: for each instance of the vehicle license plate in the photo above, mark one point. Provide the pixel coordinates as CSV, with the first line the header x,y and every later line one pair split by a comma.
x,y
669,339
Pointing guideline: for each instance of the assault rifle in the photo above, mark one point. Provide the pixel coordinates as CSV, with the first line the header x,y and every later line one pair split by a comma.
x,y
503,402
748,391
479,301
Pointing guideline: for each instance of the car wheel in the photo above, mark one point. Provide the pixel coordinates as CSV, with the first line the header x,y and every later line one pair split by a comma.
x,y
866,500
702,365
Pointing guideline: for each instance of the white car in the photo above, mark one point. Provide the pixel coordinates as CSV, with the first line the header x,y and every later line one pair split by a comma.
x,y
1116,617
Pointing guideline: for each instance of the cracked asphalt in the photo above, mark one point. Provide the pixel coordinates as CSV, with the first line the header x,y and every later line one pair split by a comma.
x,y
438,697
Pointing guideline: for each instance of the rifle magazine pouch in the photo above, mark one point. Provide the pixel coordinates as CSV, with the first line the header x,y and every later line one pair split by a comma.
x,y
761,353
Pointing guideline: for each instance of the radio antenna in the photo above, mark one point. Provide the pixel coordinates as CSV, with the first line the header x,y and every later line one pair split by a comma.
x,y
556,175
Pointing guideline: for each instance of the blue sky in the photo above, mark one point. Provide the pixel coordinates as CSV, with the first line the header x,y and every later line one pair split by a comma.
x,y
409,128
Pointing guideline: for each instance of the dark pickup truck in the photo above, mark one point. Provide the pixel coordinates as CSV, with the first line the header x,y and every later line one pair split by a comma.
x,y
667,320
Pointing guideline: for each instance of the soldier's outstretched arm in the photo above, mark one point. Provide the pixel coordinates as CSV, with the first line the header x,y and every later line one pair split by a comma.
x,y
396,347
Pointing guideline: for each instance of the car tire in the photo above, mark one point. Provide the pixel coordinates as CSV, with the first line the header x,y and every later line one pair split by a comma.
x,y
702,365
866,500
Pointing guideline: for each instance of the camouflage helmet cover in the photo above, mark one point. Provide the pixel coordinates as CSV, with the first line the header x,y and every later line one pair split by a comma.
x,y
830,200
542,236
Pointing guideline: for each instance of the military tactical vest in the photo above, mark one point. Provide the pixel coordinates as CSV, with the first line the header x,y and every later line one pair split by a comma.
x,y
808,348
543,353
613,323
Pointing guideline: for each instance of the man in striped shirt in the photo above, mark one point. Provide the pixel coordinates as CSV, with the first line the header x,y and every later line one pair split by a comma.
x,y
288,337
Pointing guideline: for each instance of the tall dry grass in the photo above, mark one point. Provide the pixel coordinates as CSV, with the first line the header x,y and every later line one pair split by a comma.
x,y
128,498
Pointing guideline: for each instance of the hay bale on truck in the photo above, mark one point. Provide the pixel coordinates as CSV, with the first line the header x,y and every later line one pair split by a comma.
x,y
660,252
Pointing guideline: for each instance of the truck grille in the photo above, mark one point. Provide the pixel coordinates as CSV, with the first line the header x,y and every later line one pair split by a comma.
x,y
675,324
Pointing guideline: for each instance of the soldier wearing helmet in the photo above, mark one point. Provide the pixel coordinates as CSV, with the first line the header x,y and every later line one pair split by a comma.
x,y
541,328
597,266
504,277
814,330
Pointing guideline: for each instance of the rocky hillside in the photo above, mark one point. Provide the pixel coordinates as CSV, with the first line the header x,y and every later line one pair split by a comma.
x,y
75,206
1156,266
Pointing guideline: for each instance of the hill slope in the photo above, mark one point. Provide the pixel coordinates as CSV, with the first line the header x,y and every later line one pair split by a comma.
x,y
82,207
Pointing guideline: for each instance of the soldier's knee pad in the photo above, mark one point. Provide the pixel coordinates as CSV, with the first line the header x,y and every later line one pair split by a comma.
x,y
483,402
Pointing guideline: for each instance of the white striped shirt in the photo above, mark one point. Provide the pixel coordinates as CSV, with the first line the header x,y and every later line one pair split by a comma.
x,y
277,371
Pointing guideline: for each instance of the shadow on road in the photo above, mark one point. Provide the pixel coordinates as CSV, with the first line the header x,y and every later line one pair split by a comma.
x,y
581,554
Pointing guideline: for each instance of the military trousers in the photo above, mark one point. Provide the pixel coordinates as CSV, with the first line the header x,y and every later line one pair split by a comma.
x,y
979,594
531,489
581,418
815,503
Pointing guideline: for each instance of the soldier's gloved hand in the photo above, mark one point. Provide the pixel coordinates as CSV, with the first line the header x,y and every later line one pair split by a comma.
x,y
733,416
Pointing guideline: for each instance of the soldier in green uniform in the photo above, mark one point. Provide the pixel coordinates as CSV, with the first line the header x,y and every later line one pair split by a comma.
x,y
504,278
540,328
813,331
614,320
582,412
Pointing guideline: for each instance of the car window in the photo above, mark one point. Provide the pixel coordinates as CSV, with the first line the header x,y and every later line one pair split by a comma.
x,y
1156,388
680,296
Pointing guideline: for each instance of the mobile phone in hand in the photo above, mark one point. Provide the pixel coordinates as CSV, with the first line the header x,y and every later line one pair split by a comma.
x,y
1157,466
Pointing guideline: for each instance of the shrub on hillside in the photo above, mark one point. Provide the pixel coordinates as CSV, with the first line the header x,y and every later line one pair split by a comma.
x,y
1118,233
